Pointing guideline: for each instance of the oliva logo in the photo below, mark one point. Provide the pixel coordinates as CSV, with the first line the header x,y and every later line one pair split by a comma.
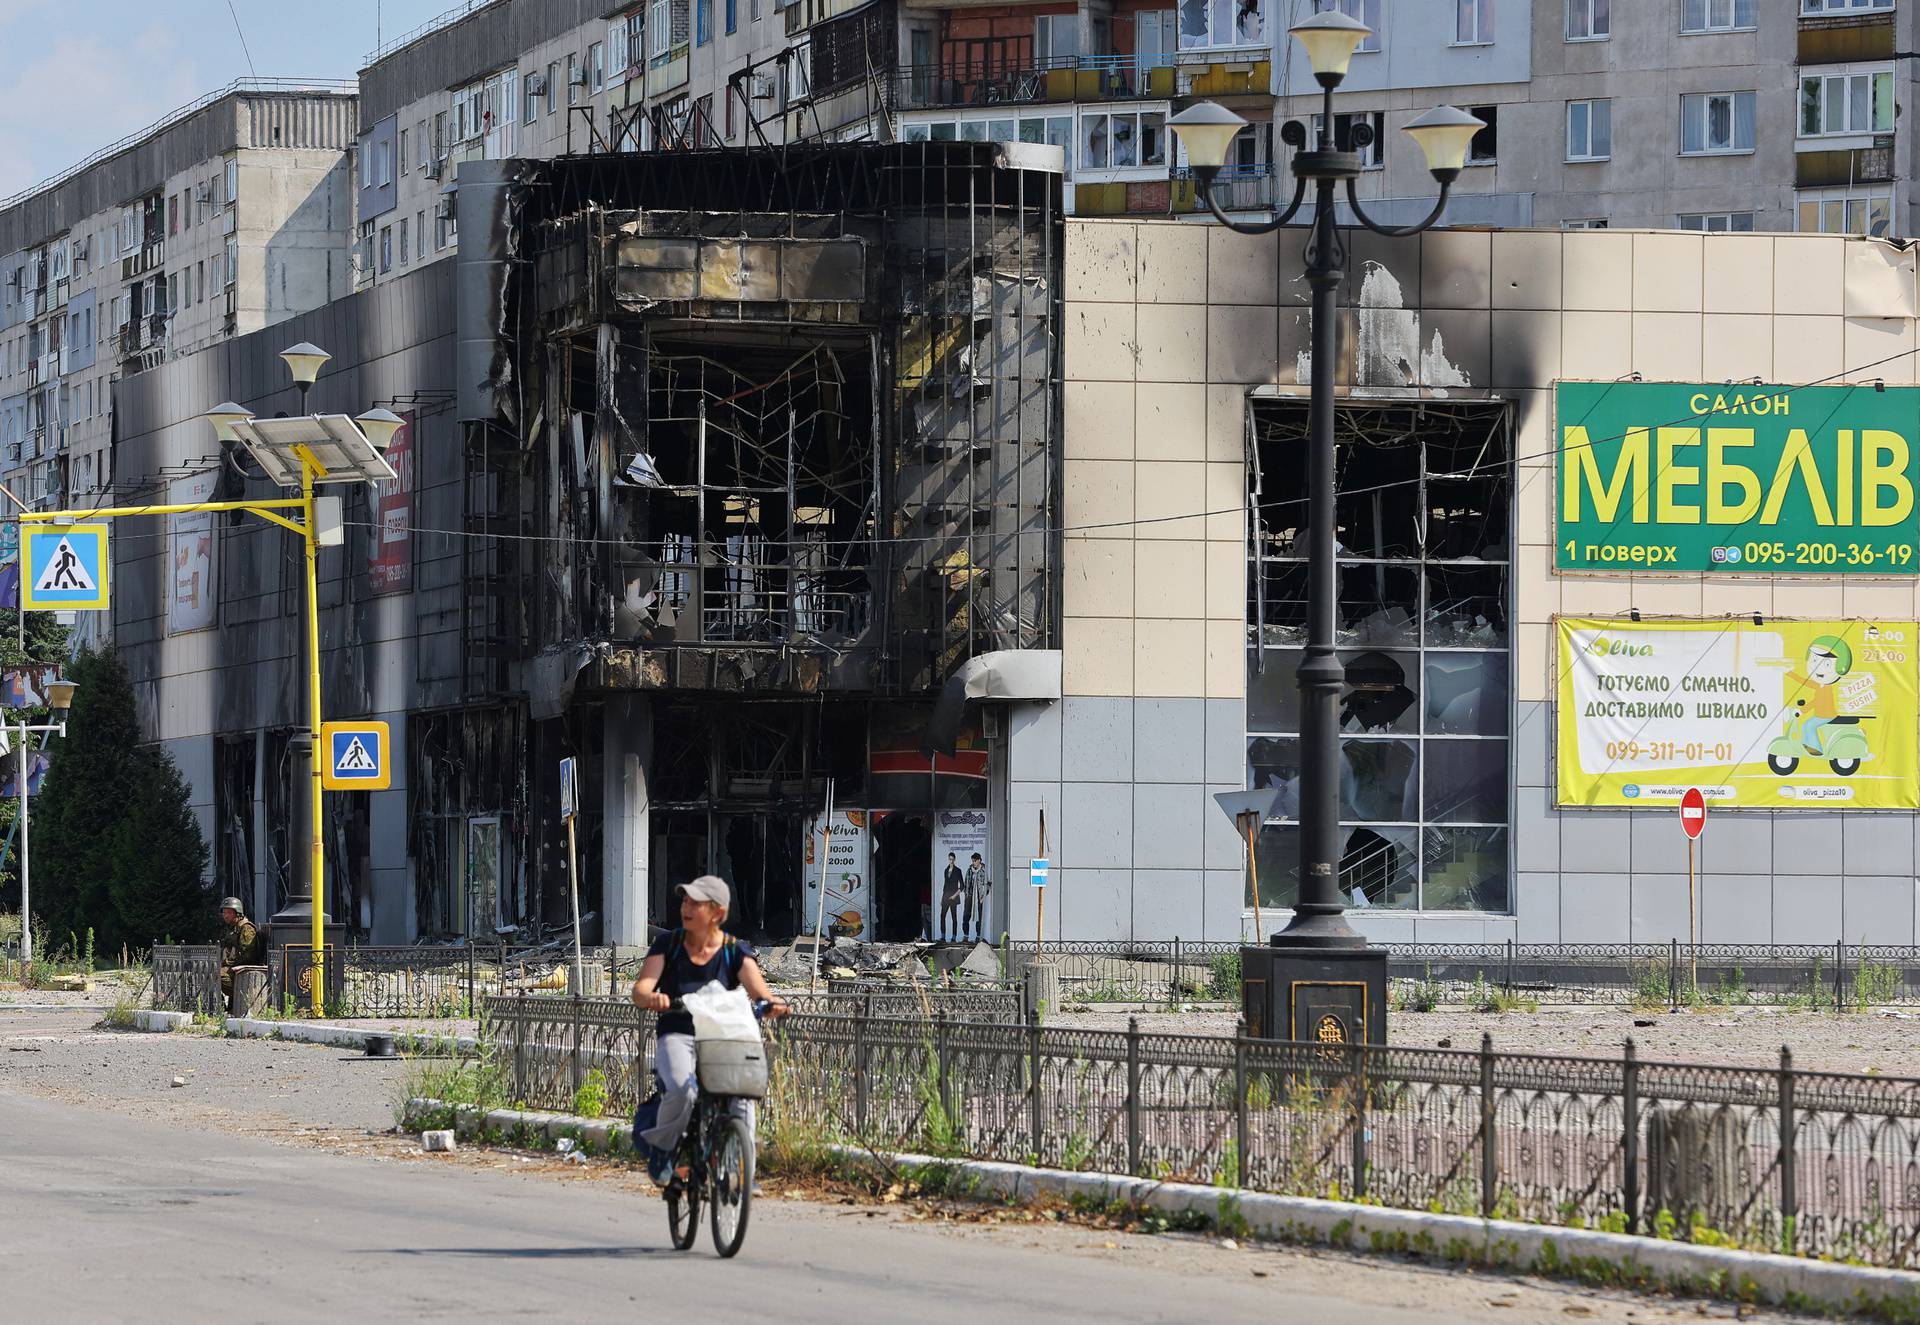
x,y
1613,648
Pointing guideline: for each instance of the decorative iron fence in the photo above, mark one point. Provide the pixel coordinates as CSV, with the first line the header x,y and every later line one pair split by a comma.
x,y
1816,1163
186,978
440,981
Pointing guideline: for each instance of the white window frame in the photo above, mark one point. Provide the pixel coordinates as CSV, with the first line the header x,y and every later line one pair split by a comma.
x,y
660,28
1843,196
1140,169
1473,23
1585,223
1700,104
1819,8
596,68
1209,40
1587,11
1364,11
1047,123
1824,76
1707,23
1056,38
1703,222
1589,154
618,56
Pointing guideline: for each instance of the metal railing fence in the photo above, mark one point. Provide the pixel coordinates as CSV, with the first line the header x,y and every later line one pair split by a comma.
x,y
186,978
1815,1163
428,982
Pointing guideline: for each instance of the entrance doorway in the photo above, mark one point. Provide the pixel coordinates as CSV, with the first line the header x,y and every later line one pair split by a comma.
x,y
902,874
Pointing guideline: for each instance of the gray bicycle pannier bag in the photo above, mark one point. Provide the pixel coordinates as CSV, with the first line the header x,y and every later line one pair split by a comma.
x,y
732,1067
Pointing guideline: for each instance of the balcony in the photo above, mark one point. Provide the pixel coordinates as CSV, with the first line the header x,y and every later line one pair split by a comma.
x,y
1031,82
1244,189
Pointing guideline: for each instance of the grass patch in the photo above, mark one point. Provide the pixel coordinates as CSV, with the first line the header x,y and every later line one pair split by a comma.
x,y
483,1081
1483,997
1422,995
1223,976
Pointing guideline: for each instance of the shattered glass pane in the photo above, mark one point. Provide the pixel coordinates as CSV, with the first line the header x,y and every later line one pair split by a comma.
x,y
1379,781
1380,867
1466,870
1379,695
1277,853
1379,605
1466,607
1466,694
1283,605
1467,519
1378,502
1273,692
1274,761
1466,781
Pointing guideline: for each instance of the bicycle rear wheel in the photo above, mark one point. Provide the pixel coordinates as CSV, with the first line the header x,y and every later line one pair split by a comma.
x,y
683,1214
731,1193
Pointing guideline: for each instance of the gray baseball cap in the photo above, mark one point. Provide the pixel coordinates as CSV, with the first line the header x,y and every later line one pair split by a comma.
x,y
707,888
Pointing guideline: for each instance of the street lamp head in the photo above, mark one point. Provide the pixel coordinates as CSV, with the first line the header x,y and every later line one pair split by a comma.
x,y
380,426
224,415
1207,129
1444,134
1330,40
60,695
304,361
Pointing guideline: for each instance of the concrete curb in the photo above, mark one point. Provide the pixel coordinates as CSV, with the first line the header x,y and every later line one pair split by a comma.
x,y
346,1037
1501,1244
145,1019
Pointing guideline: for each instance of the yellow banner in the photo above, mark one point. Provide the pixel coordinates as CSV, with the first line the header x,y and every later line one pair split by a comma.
x,y
1780,716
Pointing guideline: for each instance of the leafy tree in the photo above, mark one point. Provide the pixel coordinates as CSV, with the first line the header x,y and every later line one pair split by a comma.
x,y
46,643
115,845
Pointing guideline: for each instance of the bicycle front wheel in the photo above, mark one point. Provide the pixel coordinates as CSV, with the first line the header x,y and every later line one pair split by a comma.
x,y
731,1191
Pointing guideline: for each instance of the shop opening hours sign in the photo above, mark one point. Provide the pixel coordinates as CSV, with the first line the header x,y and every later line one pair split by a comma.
x,y
1692,477
1783,715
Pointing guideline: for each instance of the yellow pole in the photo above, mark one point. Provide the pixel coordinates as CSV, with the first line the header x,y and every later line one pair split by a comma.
x,y
312,535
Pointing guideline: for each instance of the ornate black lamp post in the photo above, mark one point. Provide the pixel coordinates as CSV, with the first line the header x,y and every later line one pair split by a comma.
x,y
1319,980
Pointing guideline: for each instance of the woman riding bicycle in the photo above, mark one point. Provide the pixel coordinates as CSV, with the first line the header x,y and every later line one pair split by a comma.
x,y
678,963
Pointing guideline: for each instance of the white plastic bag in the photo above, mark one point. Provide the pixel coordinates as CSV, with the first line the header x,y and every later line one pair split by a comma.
x,y
720,1013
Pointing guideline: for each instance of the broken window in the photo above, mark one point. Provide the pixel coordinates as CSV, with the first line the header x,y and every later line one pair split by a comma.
x,y
1423,493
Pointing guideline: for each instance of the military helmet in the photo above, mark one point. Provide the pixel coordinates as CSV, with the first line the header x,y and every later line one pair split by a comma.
x,y
233,904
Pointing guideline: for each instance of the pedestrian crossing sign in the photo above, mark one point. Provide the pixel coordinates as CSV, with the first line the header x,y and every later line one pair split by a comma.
x,y
357,755
64,568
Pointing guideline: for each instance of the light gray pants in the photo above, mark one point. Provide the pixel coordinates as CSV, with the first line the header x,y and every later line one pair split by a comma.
x,y
677,1070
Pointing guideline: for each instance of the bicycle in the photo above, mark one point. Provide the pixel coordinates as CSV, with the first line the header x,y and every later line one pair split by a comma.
x,y
717,1152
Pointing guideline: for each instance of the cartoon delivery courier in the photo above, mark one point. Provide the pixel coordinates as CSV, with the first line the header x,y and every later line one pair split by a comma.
x,y
1814,722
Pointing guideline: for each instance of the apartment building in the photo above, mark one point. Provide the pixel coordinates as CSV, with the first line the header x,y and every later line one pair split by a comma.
x,y
1692,114
229,215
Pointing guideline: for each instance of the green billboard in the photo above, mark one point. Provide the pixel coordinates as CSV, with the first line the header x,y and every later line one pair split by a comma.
x,y
1690,477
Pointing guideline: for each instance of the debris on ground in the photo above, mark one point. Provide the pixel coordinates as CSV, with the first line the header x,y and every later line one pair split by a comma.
x,y
179,1082
437,1142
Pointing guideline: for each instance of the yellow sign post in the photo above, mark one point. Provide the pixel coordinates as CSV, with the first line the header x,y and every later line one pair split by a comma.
x,y
1776,715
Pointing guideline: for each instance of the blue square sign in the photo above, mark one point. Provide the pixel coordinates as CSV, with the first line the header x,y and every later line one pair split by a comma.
x,y
357,756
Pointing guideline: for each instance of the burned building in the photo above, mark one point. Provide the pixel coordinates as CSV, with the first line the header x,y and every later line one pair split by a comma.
x,y
733,461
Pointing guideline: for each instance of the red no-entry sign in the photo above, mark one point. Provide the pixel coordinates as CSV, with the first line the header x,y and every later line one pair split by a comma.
x,y
1693,812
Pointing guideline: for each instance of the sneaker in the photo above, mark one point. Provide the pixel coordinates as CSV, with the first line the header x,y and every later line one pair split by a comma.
x,y
658,1169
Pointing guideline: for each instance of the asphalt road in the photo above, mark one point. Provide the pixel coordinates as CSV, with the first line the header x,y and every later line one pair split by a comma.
x,y
263,1190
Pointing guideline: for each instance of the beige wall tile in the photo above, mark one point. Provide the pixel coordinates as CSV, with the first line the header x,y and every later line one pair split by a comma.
x,y
1808,274
1879,281
1597,346
1226,659
1241,342
1666,597
1796,598
1170,499
1227,582
1173,343
1170,421
1536,590
1533,662
1666,273
1241,269
1596,269
1526,269
1227,423
1227,499
1731,344
1096,656
1098,418
1595,595
1533,503
1169,579
1736,595
1100,261
1533,423
1806,349
1169,657
1870,341
1096,578
1526,347
1738,272
1099,493
1172,259
1666,346
1882,600
1101,343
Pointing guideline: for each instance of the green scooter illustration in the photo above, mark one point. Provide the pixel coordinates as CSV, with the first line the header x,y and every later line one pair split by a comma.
x,y
1814,727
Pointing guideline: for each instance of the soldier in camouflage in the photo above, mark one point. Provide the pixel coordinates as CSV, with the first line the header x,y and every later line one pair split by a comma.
x,y
239,941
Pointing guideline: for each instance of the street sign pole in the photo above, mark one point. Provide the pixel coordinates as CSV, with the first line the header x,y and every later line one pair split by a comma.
x,y
569,806
1040,895
1693,822
820,910
318,910
1249,824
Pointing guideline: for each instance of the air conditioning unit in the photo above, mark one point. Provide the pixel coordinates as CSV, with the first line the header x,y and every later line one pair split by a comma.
x,y
577,76
435,168
201,193
444,212
536,85
762,87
